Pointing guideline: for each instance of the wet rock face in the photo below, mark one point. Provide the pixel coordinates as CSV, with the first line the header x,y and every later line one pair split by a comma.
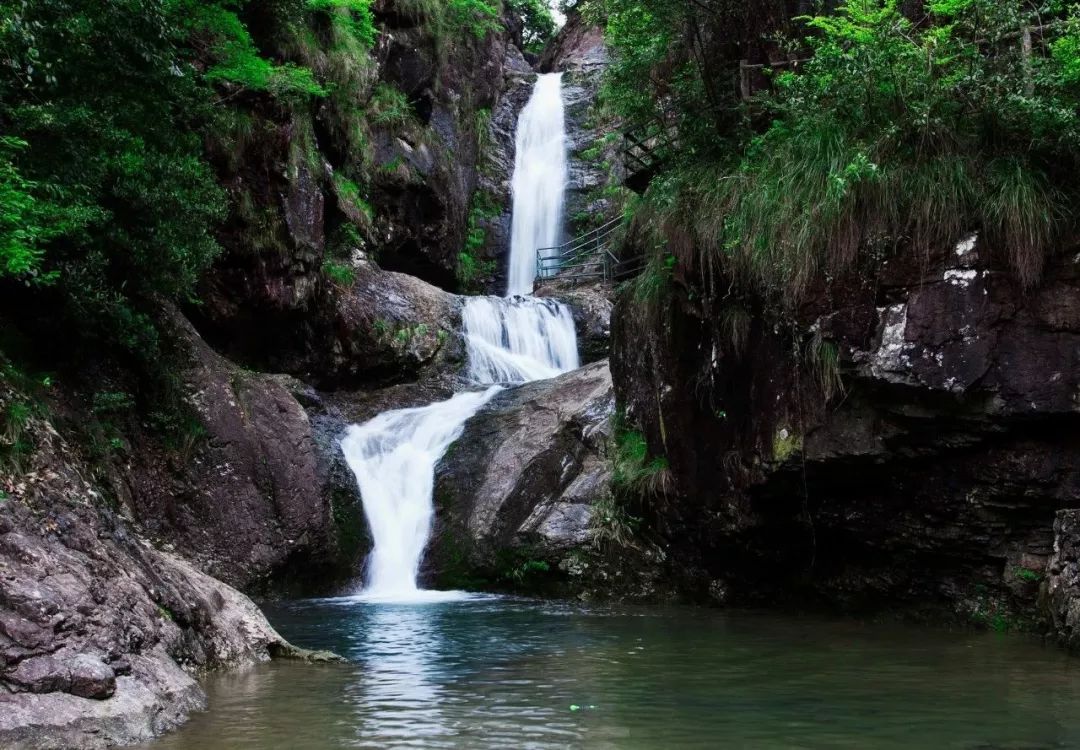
x,y
422,211
378,329
591,307
928,482
248,498
392,328
1061,591
524,476
101,635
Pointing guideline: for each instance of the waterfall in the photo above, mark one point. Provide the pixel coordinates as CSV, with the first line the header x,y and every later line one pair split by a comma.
x,y
519,339
539,181
393,457
508,341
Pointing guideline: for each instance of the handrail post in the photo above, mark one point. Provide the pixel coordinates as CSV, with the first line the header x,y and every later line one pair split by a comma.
x,y
1026,52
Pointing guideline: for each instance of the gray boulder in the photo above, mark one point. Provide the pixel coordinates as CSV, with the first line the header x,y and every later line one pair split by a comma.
x,y
524,475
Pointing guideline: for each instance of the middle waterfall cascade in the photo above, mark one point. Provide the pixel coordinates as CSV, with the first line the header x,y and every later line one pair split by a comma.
x,y
508,341
518,339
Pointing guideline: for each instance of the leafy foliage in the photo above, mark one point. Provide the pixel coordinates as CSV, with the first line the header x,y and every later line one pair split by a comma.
x,y
352,16
537,22
107,202
476,17
26,223
238,60
106,192
899,131
471,269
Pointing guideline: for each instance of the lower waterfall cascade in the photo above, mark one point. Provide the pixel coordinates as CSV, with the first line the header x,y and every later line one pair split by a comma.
x,y
509,341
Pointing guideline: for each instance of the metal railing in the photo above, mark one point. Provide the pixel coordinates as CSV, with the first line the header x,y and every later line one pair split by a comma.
x,y
586,258
644,149
579,255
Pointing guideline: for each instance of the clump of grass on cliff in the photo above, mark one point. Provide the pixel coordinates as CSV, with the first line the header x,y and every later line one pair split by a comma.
x,y
636,475
633,468
901,131
454,18
472,269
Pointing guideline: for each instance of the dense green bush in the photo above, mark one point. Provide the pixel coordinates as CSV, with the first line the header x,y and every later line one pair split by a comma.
x,y
900,131
107,201
537,22
103,174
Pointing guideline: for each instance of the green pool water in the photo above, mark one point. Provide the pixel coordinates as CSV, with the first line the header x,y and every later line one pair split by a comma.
x,y
506,673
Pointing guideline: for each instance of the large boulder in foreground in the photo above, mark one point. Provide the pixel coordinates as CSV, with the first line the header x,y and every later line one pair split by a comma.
x,y
102,636
521,482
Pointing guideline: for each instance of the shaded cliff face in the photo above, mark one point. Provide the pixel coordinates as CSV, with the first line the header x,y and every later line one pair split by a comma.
x,y
906,444
249,494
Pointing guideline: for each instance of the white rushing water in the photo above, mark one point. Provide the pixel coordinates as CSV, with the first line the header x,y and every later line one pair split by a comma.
x,y
508,341
518,339
539,182
393,457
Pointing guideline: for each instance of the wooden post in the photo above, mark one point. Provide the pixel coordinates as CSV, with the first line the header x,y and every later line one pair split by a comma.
x,y
744,79
1025,51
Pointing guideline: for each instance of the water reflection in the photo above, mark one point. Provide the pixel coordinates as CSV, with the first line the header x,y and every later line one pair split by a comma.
x,y
397,695
512,674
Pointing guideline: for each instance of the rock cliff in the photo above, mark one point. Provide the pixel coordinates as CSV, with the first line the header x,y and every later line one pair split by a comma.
x,y
102,635
903,446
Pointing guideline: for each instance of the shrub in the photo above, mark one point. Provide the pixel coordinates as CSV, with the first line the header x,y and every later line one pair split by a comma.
x,y
476,17
537,22
238,61
106,192
352,16
390,106
895,133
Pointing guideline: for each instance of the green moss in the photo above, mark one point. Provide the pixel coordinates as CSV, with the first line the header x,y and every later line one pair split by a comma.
x,y
1026,574
339,273
785,444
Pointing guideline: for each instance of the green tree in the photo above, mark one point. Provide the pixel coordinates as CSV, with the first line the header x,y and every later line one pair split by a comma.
x,y
537,22
103,109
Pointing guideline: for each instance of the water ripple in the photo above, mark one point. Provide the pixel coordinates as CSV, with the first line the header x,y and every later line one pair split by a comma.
x,y
509,673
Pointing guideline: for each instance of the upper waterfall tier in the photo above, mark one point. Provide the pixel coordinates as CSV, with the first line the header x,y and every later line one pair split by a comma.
x,y
539,181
